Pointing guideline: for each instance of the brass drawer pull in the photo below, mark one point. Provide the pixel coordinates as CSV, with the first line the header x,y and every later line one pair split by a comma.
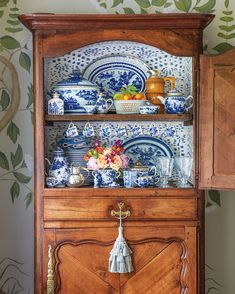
x,y
120,213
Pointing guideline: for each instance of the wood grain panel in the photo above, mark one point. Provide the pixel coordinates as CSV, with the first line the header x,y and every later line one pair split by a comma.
x,y
92,209
217,122
163,267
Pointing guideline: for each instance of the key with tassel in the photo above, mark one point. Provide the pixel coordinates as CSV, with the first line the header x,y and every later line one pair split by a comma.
x,y
120,255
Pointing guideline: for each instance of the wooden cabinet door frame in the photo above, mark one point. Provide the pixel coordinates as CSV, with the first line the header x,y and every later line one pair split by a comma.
x,y
217,122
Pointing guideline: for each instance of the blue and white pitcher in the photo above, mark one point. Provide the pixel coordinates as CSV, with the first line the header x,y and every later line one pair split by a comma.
x,y
59,168
103,104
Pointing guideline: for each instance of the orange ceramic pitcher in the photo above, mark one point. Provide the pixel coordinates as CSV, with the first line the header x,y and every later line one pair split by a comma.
x,y
155,87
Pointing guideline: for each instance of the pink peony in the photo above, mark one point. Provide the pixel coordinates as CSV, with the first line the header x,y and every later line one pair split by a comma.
x,y
125,161
92,164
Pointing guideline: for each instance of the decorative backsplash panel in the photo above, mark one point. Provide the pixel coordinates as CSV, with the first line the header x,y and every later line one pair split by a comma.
x,y
59,68
178,137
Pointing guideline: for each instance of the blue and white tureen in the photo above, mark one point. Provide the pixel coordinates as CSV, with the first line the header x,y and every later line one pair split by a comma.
x,y
76,93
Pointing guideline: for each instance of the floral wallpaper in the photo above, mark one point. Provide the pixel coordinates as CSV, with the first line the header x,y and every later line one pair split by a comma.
x,y
16,129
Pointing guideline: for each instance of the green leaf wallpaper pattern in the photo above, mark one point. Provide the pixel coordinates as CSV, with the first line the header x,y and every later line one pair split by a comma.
x,y
183,5
25,61
9,42
227,29
4,161
208,7
13,132
17,158
5,100
15,191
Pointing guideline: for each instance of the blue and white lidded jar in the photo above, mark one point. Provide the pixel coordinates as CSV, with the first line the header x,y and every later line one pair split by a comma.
x,y
55,105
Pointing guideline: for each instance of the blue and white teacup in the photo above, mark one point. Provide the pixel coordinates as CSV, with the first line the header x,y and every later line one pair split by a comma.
x,y
51,182
137,130
122,131
153,131
88,130
72,131
142,181
105,131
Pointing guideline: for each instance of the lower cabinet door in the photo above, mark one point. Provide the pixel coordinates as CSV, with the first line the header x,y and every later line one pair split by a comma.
x,y
164,260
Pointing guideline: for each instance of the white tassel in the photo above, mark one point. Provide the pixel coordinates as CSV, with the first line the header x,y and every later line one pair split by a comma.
x,y
120,255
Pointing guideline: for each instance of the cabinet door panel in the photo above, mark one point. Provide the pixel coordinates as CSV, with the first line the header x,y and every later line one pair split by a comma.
x,y
164,261
217,122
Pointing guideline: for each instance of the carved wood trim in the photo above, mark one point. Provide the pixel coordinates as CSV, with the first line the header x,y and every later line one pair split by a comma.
x,y
181,43
183,284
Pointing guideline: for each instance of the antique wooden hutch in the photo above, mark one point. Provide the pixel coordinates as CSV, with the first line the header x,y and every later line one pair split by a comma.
x,y
166,226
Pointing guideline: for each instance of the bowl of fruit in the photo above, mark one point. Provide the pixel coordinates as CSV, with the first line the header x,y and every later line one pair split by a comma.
x,y
128,100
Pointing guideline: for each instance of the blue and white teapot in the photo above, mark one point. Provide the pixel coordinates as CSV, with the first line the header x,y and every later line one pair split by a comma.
x,y
175,102
59,168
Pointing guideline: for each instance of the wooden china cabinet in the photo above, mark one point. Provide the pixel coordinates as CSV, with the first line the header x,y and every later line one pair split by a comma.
x,y
74,229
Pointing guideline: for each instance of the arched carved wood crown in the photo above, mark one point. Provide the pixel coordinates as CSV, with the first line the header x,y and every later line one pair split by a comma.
x,y
168,241
177,34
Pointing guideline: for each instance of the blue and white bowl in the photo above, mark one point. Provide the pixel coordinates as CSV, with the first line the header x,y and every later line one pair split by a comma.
x,y
90,109
76,93
149,109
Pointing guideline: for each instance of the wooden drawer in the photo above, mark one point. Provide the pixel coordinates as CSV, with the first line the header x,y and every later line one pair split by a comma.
x,y
99,208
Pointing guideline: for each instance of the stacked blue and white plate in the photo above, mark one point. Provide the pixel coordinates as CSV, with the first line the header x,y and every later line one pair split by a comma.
x,y
75,148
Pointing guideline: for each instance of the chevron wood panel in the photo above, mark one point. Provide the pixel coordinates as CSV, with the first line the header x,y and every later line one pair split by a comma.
x,y
224,119
83,269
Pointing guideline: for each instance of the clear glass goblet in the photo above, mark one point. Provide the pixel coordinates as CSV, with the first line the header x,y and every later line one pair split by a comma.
x,y
165,166
184,166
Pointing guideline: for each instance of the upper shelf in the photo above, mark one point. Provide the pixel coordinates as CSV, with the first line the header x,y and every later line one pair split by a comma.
x,y
119,117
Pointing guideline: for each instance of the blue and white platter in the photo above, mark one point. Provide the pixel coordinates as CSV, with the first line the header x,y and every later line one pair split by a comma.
x,y
111,73
146,149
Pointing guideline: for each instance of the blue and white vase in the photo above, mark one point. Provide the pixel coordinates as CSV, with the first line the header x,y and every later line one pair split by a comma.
x,y
55,105
59,168
76,92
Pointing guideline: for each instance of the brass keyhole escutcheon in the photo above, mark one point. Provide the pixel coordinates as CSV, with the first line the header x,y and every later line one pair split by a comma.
x,y
121,214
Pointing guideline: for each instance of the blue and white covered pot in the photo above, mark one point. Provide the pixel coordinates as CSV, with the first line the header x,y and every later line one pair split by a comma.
x,y
76,93
59,168
176,103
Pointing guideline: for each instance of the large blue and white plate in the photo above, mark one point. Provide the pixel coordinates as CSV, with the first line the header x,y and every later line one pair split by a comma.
x,y
146,149
111,73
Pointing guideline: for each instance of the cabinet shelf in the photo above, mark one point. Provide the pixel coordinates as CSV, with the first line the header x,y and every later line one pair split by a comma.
x,y
119,117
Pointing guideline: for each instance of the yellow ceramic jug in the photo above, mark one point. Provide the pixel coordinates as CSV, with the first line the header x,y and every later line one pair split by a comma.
x,y
155,87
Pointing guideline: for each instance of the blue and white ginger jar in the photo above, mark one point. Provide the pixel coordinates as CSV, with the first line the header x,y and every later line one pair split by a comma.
x,y
55,105
76,92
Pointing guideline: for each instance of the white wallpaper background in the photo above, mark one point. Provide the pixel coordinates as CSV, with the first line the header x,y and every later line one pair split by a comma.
x,y
16,137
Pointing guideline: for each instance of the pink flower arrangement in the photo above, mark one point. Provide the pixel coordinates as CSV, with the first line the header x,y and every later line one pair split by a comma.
x,y
101,157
